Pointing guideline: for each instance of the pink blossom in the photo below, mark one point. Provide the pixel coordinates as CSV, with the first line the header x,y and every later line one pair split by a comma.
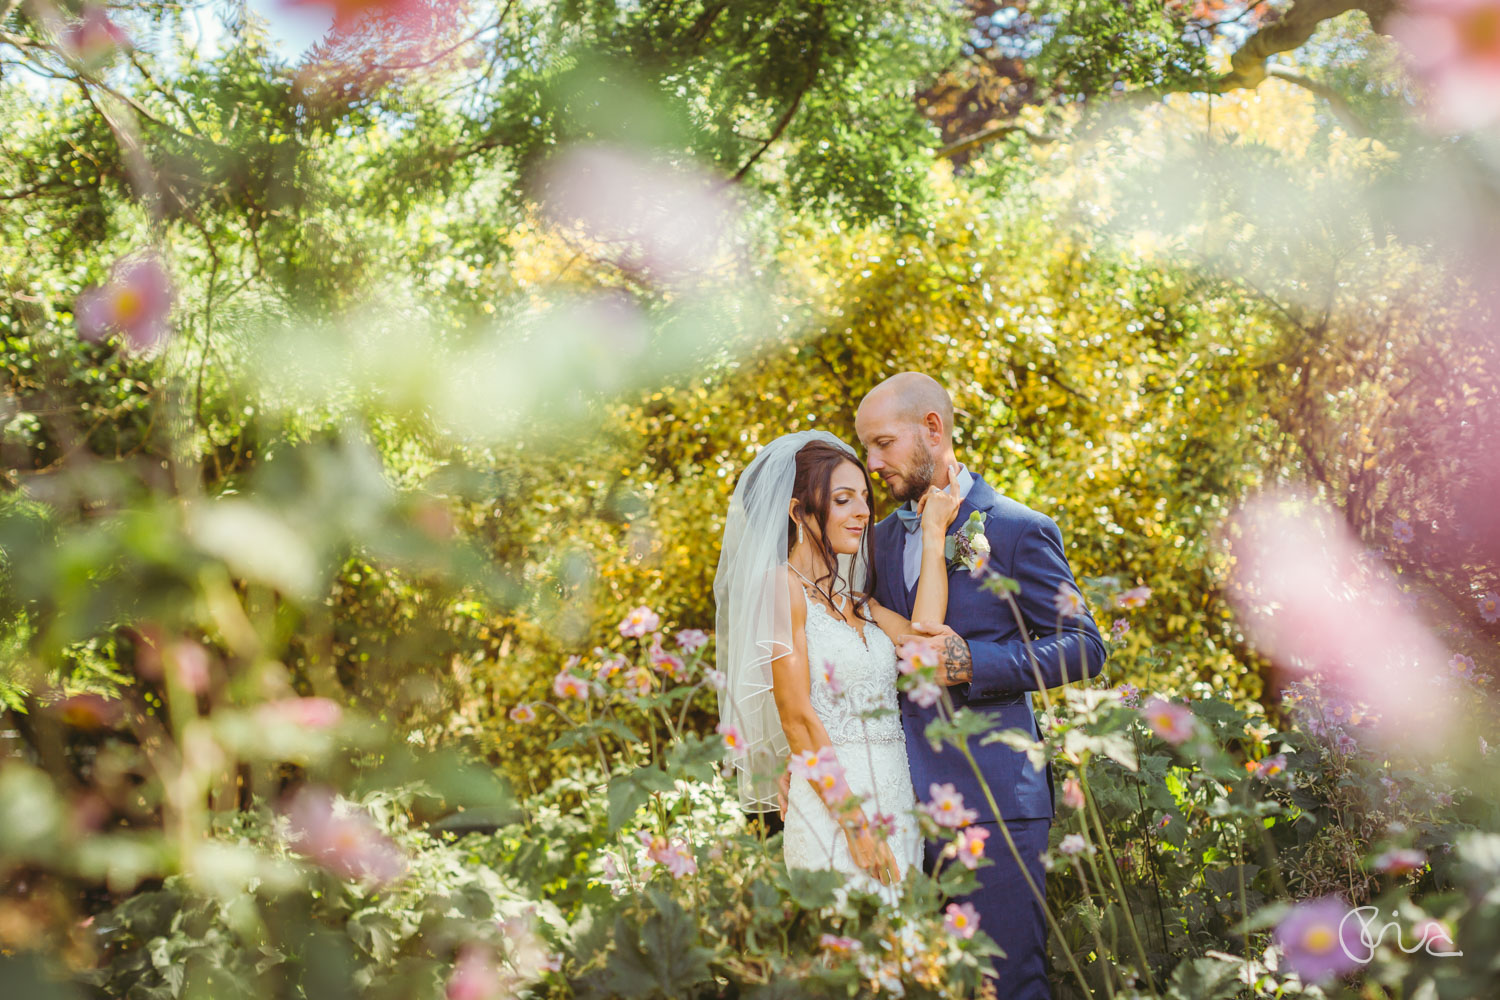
x,y
1136,597
306,713
830,678
135,301
915,655
341,838
840,946
639,679
189,665
638,622
832,784
523,713
883,824
94,38
971,845
566,687
1400,861
1130,695
1454,47
610,667
734,743
1073,845
1268,768
716,678
806,764
690,640
474,976
1072,794
1068,602
672,854
946,807
1313,604
1463,667
1489,607
1168,720
962,920
1118,628
670,664
925,693
1318,941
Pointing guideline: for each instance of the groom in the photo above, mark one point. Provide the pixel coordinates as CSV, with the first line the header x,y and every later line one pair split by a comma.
x,y
906,426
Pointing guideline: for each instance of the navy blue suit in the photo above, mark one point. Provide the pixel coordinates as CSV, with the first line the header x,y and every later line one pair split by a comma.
x,y
1027,547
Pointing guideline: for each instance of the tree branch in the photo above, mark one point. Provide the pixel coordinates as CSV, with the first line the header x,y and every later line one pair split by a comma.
x,y
1337,103
965,143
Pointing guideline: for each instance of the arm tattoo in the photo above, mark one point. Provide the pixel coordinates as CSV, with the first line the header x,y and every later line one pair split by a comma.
x,y
957,661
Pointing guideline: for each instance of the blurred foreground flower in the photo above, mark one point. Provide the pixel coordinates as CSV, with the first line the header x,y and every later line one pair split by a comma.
x,y
341,838
946,807
523,714
1318,941
962,920
840,946
135,301
734,743
1312,602
638,622
94,38
970,845
1072,794
1454,47
475,976
1136,597
1168,720
88,711
1073,845
690,640
1400,861
306,713
1489,607
1068,602
671,854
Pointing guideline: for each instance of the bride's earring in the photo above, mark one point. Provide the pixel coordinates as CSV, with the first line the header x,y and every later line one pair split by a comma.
x,y
799,532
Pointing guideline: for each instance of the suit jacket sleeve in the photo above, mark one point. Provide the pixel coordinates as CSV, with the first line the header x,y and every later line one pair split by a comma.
x,y
1070,650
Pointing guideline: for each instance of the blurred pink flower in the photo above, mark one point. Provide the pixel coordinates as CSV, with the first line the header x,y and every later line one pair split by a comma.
x,y
671,854
1318,941
88,711
341,838
1068,602
1136,597
830,678
308,713
1072,795
883,824
1489,607
638,622
475,976
1312,603
1072,845
840,946
1168,720
189,665
832,784
1400,861
135,301
971,845
925,693
690,640
1118,628
1463,667
1267,768
716,678
610,667
93,38
639,679
568,687
662,222
670,664
523,713
946,807
962,920
915,655
734,743
1454,47
805,764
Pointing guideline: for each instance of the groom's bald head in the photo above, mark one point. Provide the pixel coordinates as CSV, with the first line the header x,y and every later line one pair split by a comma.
x,y
910,397
906,426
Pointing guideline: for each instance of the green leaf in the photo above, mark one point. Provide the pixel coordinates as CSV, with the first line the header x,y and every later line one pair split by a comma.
x,y
626,796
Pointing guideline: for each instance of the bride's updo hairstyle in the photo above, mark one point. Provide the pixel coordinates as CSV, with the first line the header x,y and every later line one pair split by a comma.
x,y
816,463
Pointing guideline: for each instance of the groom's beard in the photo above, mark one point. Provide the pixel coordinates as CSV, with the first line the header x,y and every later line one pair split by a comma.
x,y
914,481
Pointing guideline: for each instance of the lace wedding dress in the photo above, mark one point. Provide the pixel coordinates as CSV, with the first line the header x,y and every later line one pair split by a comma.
x,y
871,750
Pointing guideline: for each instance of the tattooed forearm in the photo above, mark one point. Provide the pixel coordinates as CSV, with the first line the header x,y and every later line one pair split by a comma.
x,y
957,663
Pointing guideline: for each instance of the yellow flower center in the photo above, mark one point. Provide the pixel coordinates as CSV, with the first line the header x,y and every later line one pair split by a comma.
x,y
127,305
1319,939
960,921
1479,32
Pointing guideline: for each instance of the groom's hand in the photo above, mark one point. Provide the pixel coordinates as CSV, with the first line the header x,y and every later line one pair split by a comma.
x,y
955,662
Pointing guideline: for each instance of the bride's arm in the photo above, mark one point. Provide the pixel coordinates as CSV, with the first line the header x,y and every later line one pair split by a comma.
x,y
939,507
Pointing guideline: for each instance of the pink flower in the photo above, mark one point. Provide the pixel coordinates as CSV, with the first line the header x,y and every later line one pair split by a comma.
x,y
1130,695
807,763
971,845
341,838
840,946
1073,845
1136,597
1168,720
523,713
671,854
94,38
670,664
1268,768
1118,628
1489,607
307,713
1318,941
1462,666
734,743
830,678
566,687
716,678
962,920
474,976
638,622
946,807
925,693
1401,532
1454,47
189,665
883,824
915,655
610,667
832,784
690,640
1072,794
1400,861
639,679
135,301
1068,602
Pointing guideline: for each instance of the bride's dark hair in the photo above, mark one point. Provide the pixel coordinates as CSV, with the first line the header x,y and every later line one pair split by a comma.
x,y
816,463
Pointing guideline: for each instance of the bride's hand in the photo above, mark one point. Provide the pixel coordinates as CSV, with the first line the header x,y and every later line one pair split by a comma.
x,y
939,507
873,855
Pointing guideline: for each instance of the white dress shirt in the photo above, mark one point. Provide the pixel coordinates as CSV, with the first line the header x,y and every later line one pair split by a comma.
x,y
911,555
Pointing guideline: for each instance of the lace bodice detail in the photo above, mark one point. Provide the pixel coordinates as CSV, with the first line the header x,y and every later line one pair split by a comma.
x,y
863,668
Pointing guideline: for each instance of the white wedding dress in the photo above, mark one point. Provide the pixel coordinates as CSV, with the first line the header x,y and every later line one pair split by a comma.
x,y
872,751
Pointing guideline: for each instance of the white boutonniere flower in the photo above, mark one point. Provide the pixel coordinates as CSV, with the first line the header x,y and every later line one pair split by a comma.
x,y
968,547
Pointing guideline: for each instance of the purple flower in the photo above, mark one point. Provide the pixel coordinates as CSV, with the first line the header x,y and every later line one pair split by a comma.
x,y
962,920
1130,695
717,678
671,854
1118,628
1489,607
135,301
946,807
1169,720
1462,667
1318,941
638,622
925,693
341,838
566,687
883,824
690,640
1401,532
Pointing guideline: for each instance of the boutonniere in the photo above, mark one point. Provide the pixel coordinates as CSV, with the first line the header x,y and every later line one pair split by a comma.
x,y
968,547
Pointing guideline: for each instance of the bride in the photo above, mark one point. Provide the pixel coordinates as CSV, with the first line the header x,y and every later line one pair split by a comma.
x,y
809,656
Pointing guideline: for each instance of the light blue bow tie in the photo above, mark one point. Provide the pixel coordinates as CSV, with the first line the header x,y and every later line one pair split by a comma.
x,y
911,520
